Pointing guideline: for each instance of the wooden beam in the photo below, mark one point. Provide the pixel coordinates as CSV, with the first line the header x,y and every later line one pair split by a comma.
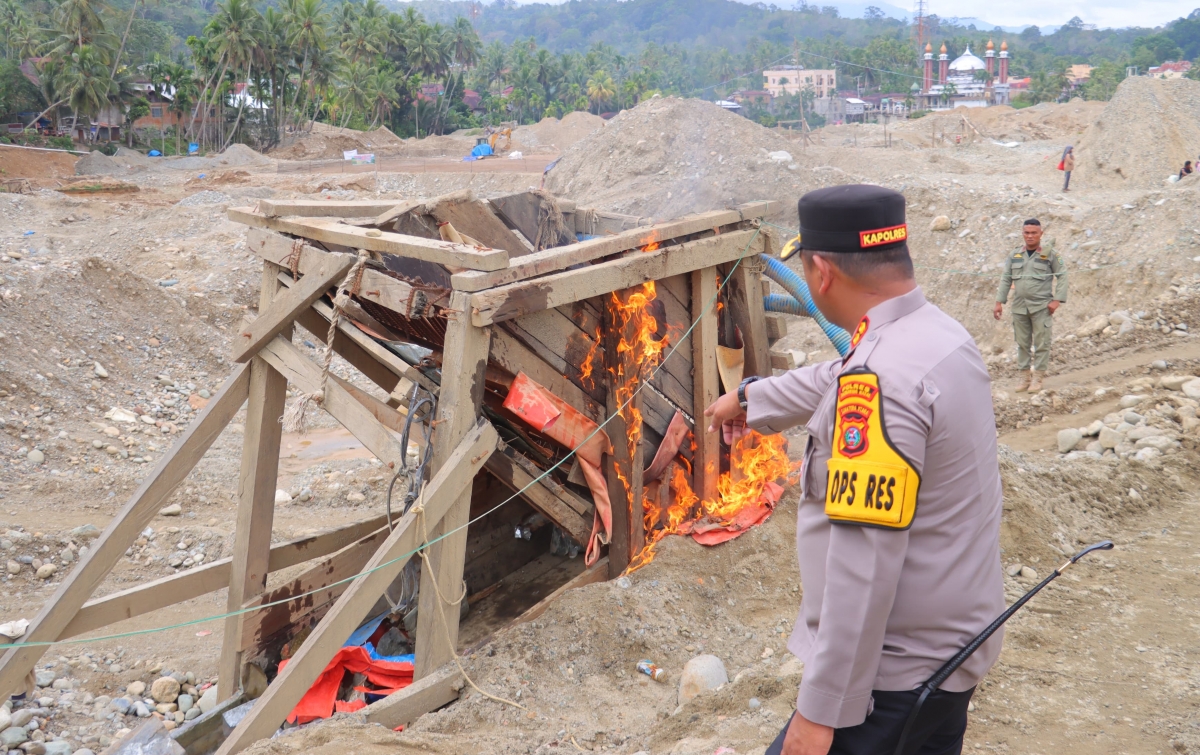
x,y
518,473
390,214
706,461
387,416
516,299
513,356
330,231
210,577
275,318
560,258
379,373
142,507
323,208
623,467
743,296
452,479
376,286
475,218
464,365
785,359
342,406
597,572
776,326
370,346
424,695
309,592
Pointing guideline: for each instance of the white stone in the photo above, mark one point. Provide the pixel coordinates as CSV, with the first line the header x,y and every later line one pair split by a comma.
x,y
1161,442
701,674
98,370
940,223
1092,327
1176,382
1094,428
1144,431
1146,454
173,510
136,689
208,700
1068,439
1134,495
1013,570
1028,572
281,497
46,571
164,690
1130,401
1191,388
1110,438
36,457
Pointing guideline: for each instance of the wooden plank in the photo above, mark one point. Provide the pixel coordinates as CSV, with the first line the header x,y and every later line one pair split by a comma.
x,y
623,467
517,476
512,355
376,286
776,326
273,319
422,696
464,365
142,507
521,211
308,592
563,344
743,297
560,258
344,345
210,577
784,360
598,572
452,479
389,215
327,230
377,352
346,409
386,415
706,462
474,218
516,299
324,208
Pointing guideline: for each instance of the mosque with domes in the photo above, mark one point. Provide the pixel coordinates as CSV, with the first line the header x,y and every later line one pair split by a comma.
x,y
965,81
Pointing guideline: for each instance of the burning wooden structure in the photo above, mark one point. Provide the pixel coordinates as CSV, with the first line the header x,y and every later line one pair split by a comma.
x,y
535,325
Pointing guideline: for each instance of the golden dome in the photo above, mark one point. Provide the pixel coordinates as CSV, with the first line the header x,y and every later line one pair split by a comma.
x,y
1004,45
928,47
991,45
943,48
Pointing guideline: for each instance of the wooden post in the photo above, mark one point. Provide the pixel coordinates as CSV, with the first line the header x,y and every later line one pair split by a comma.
x,y
464,363
256,489
744,298
705,385
623,468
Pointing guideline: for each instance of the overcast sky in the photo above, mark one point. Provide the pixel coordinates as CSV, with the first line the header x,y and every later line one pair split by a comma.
x,y
1103,13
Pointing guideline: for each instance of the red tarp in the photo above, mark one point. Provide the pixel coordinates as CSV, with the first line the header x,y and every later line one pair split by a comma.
x,y
321,699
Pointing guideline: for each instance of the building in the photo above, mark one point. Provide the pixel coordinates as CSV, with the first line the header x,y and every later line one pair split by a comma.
x,y
759,98
1170,69
794,79
1078,75
966,81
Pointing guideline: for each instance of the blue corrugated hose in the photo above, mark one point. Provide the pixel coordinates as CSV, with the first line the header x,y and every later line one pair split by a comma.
x,y
795,285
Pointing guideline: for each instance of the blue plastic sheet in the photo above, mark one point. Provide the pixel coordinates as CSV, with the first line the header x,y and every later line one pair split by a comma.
x,y
481,150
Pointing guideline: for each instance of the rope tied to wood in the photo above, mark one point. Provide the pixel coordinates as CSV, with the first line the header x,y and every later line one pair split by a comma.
x,y
552,228
296,416
293,259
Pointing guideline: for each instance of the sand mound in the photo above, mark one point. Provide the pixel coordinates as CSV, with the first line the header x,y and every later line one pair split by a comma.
x,y
1146,132
326,142
555,135
99,164
16,162
669,156
1002,123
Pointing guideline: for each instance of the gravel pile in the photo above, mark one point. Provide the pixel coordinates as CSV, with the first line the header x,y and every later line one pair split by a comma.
x,y
205,198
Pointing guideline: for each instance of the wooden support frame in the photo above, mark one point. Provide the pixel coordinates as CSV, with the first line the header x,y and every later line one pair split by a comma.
x,y
706,461
282,309
623,468
442,493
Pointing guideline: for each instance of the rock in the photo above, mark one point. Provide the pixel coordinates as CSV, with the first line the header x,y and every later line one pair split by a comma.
x,y
1094,447
1161,442
1130,401
1134,495
46,571
136,689
1138,433
1133,418
940,223
81,751
282,497
165,708
1094,429
1191,388
164,690
141,710
1126,326
61,683
121,705
1146,454
13,736
193,713
1013,570
85,532
196,402
1109,438
59,747
1176,382
67,556
35,457
754,703
173,510
13,567
98,370
34,748
1028,572
1092,327
306,495
5,718
1158,364
1068,439
208,700
355,497
185,703
43,678
701,674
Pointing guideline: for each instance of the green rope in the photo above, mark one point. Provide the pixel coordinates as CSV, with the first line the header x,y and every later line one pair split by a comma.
x,y
218,617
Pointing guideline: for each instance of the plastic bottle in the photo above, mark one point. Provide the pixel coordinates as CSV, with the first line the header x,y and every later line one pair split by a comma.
x,y
652,671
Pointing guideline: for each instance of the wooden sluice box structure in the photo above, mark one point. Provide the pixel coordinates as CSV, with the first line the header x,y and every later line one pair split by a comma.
x,y
529,338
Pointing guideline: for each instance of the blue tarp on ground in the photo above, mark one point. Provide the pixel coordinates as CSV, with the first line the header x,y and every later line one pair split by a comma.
x,y
481,150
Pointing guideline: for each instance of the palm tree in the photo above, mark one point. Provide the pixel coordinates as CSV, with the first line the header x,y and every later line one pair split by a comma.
x,y
600,89
354,91
464,43
366,38
724,66
85,83
382,94
80,20
308,21
493,64
235,39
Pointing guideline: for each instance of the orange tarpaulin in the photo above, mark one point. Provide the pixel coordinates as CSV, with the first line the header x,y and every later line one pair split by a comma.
x,y
321,699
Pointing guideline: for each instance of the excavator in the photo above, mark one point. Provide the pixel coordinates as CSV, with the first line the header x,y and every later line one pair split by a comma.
x,y
499,138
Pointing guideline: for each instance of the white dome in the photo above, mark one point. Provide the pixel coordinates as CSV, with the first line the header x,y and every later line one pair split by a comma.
x,y
967,62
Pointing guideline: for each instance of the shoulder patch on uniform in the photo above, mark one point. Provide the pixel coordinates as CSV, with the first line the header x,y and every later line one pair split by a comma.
x,y
870,482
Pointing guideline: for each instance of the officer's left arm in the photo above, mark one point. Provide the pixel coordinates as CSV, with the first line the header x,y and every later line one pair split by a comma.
x,y
862,570
1059,268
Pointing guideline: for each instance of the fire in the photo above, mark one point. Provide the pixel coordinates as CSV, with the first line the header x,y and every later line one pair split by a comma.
x,y
589,362
758,461
651,247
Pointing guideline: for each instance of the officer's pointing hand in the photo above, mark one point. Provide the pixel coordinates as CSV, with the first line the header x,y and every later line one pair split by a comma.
x,y
999,310
807,738
727,414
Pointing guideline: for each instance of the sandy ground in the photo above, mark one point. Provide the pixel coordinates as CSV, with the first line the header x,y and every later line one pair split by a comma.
x,y
148,284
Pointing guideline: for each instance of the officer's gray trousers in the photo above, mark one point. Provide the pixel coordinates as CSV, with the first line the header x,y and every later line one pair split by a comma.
x,y
1033,330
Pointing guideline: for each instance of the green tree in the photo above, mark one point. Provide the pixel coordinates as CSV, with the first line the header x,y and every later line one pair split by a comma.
x,y
600,89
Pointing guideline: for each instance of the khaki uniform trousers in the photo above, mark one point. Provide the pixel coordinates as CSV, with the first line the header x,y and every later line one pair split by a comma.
x,y
1034,329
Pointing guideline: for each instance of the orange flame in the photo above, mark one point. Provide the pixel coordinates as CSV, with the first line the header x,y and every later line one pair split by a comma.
x,y
651,247
757,461
589,362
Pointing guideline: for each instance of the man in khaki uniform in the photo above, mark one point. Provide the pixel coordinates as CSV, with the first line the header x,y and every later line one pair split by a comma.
x,y
898,526
1038,278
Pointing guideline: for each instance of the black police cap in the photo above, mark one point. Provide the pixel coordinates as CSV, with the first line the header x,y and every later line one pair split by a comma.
x,y
852,218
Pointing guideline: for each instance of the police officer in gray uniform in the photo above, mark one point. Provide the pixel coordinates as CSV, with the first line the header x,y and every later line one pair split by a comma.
x,y
899,519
